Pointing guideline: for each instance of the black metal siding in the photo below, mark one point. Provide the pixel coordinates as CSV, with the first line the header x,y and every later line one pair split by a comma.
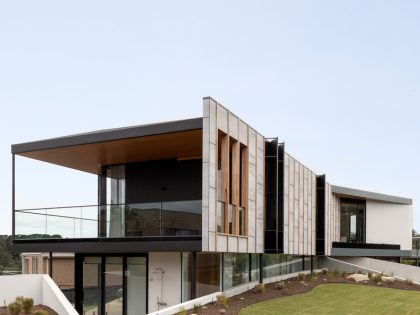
x,y
271,196
280,199
164,180
320,215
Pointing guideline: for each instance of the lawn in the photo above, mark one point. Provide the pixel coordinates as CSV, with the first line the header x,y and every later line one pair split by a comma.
x,y
342,299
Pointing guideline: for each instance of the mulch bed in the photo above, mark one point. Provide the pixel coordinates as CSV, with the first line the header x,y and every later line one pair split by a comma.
x,y
36,308
293,286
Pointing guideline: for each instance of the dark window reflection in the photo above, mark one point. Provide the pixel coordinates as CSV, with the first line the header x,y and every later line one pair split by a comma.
x,y
352,221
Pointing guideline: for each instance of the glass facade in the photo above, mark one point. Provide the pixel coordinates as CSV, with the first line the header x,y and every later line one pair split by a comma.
x,y
114,294
280,264
186,276
92,285
207,273
136,285
255,267
235,270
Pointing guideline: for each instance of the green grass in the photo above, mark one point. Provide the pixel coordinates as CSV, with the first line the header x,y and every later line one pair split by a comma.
x,y
342,299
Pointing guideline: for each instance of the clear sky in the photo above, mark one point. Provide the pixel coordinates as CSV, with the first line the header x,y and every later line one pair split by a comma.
x,y
338,81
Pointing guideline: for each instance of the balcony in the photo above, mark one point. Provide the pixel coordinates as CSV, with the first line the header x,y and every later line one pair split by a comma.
x,y
169,220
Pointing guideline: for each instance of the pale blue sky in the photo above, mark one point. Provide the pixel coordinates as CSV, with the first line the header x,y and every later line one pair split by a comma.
x,y
338,81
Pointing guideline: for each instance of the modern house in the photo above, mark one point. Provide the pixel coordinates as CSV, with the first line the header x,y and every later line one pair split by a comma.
x,y
187,208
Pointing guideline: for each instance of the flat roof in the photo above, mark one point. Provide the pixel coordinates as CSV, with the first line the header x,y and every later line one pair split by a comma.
x,y
87,152
110,135
350,192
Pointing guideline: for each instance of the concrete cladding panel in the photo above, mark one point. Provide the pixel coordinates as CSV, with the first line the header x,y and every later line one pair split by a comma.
x,y
332,219
217,118
389,223
299,208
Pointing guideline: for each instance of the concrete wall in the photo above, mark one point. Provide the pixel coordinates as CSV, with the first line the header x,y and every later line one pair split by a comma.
x,y
354,264
332,219
215,118
299,208
168,288
389,223
39,287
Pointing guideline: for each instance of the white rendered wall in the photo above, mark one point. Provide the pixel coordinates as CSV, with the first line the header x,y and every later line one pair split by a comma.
x,y
389,223
170,292
39,287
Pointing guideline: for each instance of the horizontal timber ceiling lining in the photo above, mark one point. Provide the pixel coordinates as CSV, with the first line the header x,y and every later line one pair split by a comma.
x,y
89,157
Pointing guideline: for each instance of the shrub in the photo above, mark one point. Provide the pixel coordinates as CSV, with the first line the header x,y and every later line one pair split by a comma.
x,y
260,288
343,273
369,275
314,277
335,272
377,278
324,271
226,302
280,285
15,308
196,308
45,313
223,300
409,281
181,312
301,276
27,304
19,299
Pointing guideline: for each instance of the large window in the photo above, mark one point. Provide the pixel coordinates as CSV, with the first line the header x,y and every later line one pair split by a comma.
x,y
115,200
207,274
235,270
352,221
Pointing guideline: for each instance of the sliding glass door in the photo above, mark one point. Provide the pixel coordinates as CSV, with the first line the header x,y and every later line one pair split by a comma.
x,y
92,285
136,285
114,293
115,285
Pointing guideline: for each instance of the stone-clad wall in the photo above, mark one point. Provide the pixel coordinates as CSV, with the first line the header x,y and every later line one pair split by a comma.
x,y
299,208
215,118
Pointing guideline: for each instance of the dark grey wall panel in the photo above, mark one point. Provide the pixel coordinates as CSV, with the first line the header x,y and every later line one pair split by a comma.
x,y
165,180
320,215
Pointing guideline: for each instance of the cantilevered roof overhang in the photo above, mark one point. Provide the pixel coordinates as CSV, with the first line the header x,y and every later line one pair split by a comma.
x,y
87,152
362,194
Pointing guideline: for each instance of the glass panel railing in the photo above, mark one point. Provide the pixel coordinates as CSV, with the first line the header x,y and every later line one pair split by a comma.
x,y
181,218
178,218
143,219
69,222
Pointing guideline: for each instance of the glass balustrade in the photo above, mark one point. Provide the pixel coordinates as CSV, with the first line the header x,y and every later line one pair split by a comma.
x,y
160,219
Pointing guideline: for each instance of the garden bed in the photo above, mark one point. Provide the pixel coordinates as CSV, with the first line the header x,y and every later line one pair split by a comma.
x,y
35,308
294,286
